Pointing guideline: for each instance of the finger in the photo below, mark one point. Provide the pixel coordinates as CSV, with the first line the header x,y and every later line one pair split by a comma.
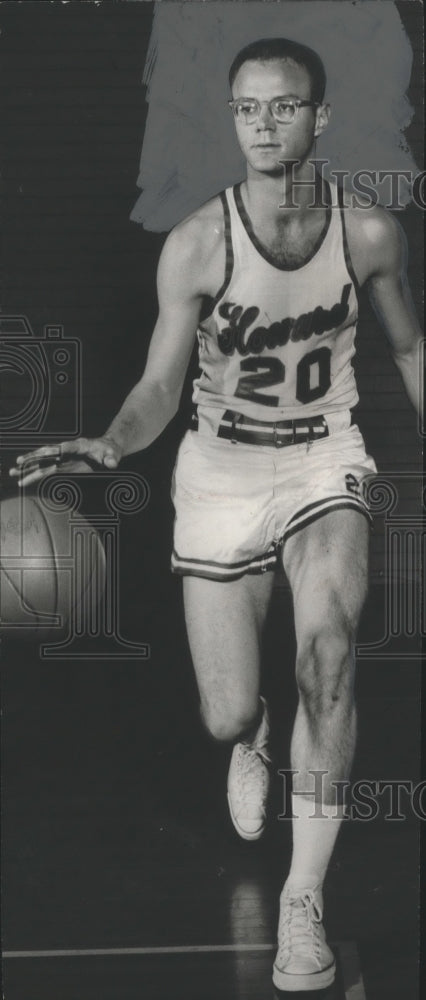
x,y
35,475
34,456
41,464
19,472
45,467
78,447
62,463
110,460
102,453
99,451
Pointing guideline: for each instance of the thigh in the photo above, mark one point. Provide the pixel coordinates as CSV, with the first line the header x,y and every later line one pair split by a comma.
x,y
327,567
224,622
224,503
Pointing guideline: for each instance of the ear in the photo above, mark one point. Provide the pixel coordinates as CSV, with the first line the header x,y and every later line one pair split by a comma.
x,y
322,118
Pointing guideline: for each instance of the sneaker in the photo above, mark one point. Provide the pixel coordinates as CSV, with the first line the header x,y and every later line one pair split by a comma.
x,y
248,782
303,961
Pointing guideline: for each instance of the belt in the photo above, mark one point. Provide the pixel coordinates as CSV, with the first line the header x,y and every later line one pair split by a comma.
x,y
237,427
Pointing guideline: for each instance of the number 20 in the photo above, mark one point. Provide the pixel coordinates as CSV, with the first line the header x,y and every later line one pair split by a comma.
x,y
271,371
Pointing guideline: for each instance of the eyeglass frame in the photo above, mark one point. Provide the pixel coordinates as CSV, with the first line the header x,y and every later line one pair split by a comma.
x,y
296,101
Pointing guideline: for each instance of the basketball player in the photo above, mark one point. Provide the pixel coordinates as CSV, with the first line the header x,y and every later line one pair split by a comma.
x,y
272,468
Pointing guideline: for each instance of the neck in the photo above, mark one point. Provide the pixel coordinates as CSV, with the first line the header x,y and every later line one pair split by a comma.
x,y
280,197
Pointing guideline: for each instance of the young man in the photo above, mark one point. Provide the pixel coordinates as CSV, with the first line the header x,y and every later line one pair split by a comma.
x,y
266,276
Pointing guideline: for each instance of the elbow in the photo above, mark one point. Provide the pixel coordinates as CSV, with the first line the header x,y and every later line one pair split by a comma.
x,y
174,404
409,354
400,358
166,395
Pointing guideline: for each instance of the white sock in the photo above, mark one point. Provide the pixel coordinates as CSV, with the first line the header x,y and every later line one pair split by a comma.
x,y
313,840
261,735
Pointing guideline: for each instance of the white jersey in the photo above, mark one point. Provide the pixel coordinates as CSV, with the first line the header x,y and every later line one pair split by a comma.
x,y
278,340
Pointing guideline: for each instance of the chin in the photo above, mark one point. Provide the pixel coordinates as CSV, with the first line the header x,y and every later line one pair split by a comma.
x,y
271,169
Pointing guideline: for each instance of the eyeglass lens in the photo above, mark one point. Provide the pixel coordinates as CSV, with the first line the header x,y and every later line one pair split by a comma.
x,y
248,111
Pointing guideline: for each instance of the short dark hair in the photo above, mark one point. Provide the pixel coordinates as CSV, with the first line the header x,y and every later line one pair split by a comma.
x,y
267,49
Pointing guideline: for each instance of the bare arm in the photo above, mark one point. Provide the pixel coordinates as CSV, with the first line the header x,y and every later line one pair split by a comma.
x,y
391,299
154,400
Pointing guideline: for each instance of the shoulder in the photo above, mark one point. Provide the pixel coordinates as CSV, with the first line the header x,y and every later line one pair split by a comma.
x,y
193,258
376,235
193,244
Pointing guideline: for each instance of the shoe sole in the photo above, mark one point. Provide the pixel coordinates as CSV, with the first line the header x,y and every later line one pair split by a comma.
x,y
313,981
243,833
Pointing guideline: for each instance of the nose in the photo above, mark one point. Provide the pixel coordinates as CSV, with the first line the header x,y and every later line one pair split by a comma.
x,y
266,121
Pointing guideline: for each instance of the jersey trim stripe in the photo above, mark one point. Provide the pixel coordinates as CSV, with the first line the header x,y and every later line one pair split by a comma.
x,y
269,257
229,252
346,251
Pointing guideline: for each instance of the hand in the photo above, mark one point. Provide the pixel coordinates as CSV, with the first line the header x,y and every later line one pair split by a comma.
x,y
69,456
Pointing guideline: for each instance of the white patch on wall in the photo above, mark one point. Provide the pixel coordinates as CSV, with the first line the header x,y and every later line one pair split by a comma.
x,y
189,150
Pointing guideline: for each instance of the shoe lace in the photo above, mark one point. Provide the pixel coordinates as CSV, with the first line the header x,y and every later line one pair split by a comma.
x,y
300,929
250,772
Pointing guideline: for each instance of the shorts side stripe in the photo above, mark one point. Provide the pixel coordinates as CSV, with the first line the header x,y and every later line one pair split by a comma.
x,y
222,571
224,565
325,507
209,574
358,501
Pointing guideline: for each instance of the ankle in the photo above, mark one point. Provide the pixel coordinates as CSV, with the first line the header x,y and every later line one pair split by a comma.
x,y
309,880
258,729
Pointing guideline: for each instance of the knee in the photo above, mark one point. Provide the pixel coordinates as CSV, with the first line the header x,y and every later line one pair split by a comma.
x,y
325,668
227,723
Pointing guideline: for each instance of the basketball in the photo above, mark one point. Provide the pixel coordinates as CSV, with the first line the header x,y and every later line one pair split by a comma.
x,y
52,568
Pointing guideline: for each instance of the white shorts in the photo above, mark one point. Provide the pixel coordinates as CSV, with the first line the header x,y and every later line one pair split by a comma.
x,y
236,504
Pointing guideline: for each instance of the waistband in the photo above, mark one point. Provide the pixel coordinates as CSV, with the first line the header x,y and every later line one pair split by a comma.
x,y
237,427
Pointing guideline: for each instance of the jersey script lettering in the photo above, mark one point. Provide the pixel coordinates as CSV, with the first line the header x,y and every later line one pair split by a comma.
x,y
233,337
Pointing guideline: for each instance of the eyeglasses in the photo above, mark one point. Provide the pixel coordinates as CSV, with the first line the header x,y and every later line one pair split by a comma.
x,y
283,109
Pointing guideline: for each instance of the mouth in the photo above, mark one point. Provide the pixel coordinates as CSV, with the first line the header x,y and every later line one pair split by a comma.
x,y
266,145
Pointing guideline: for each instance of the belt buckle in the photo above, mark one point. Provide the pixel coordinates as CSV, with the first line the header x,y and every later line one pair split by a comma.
x,y
274,430
277,442
311,435
281,442
236,419
322,428
317,430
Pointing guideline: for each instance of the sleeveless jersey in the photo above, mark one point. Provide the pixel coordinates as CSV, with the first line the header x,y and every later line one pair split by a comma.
x,y
279,339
